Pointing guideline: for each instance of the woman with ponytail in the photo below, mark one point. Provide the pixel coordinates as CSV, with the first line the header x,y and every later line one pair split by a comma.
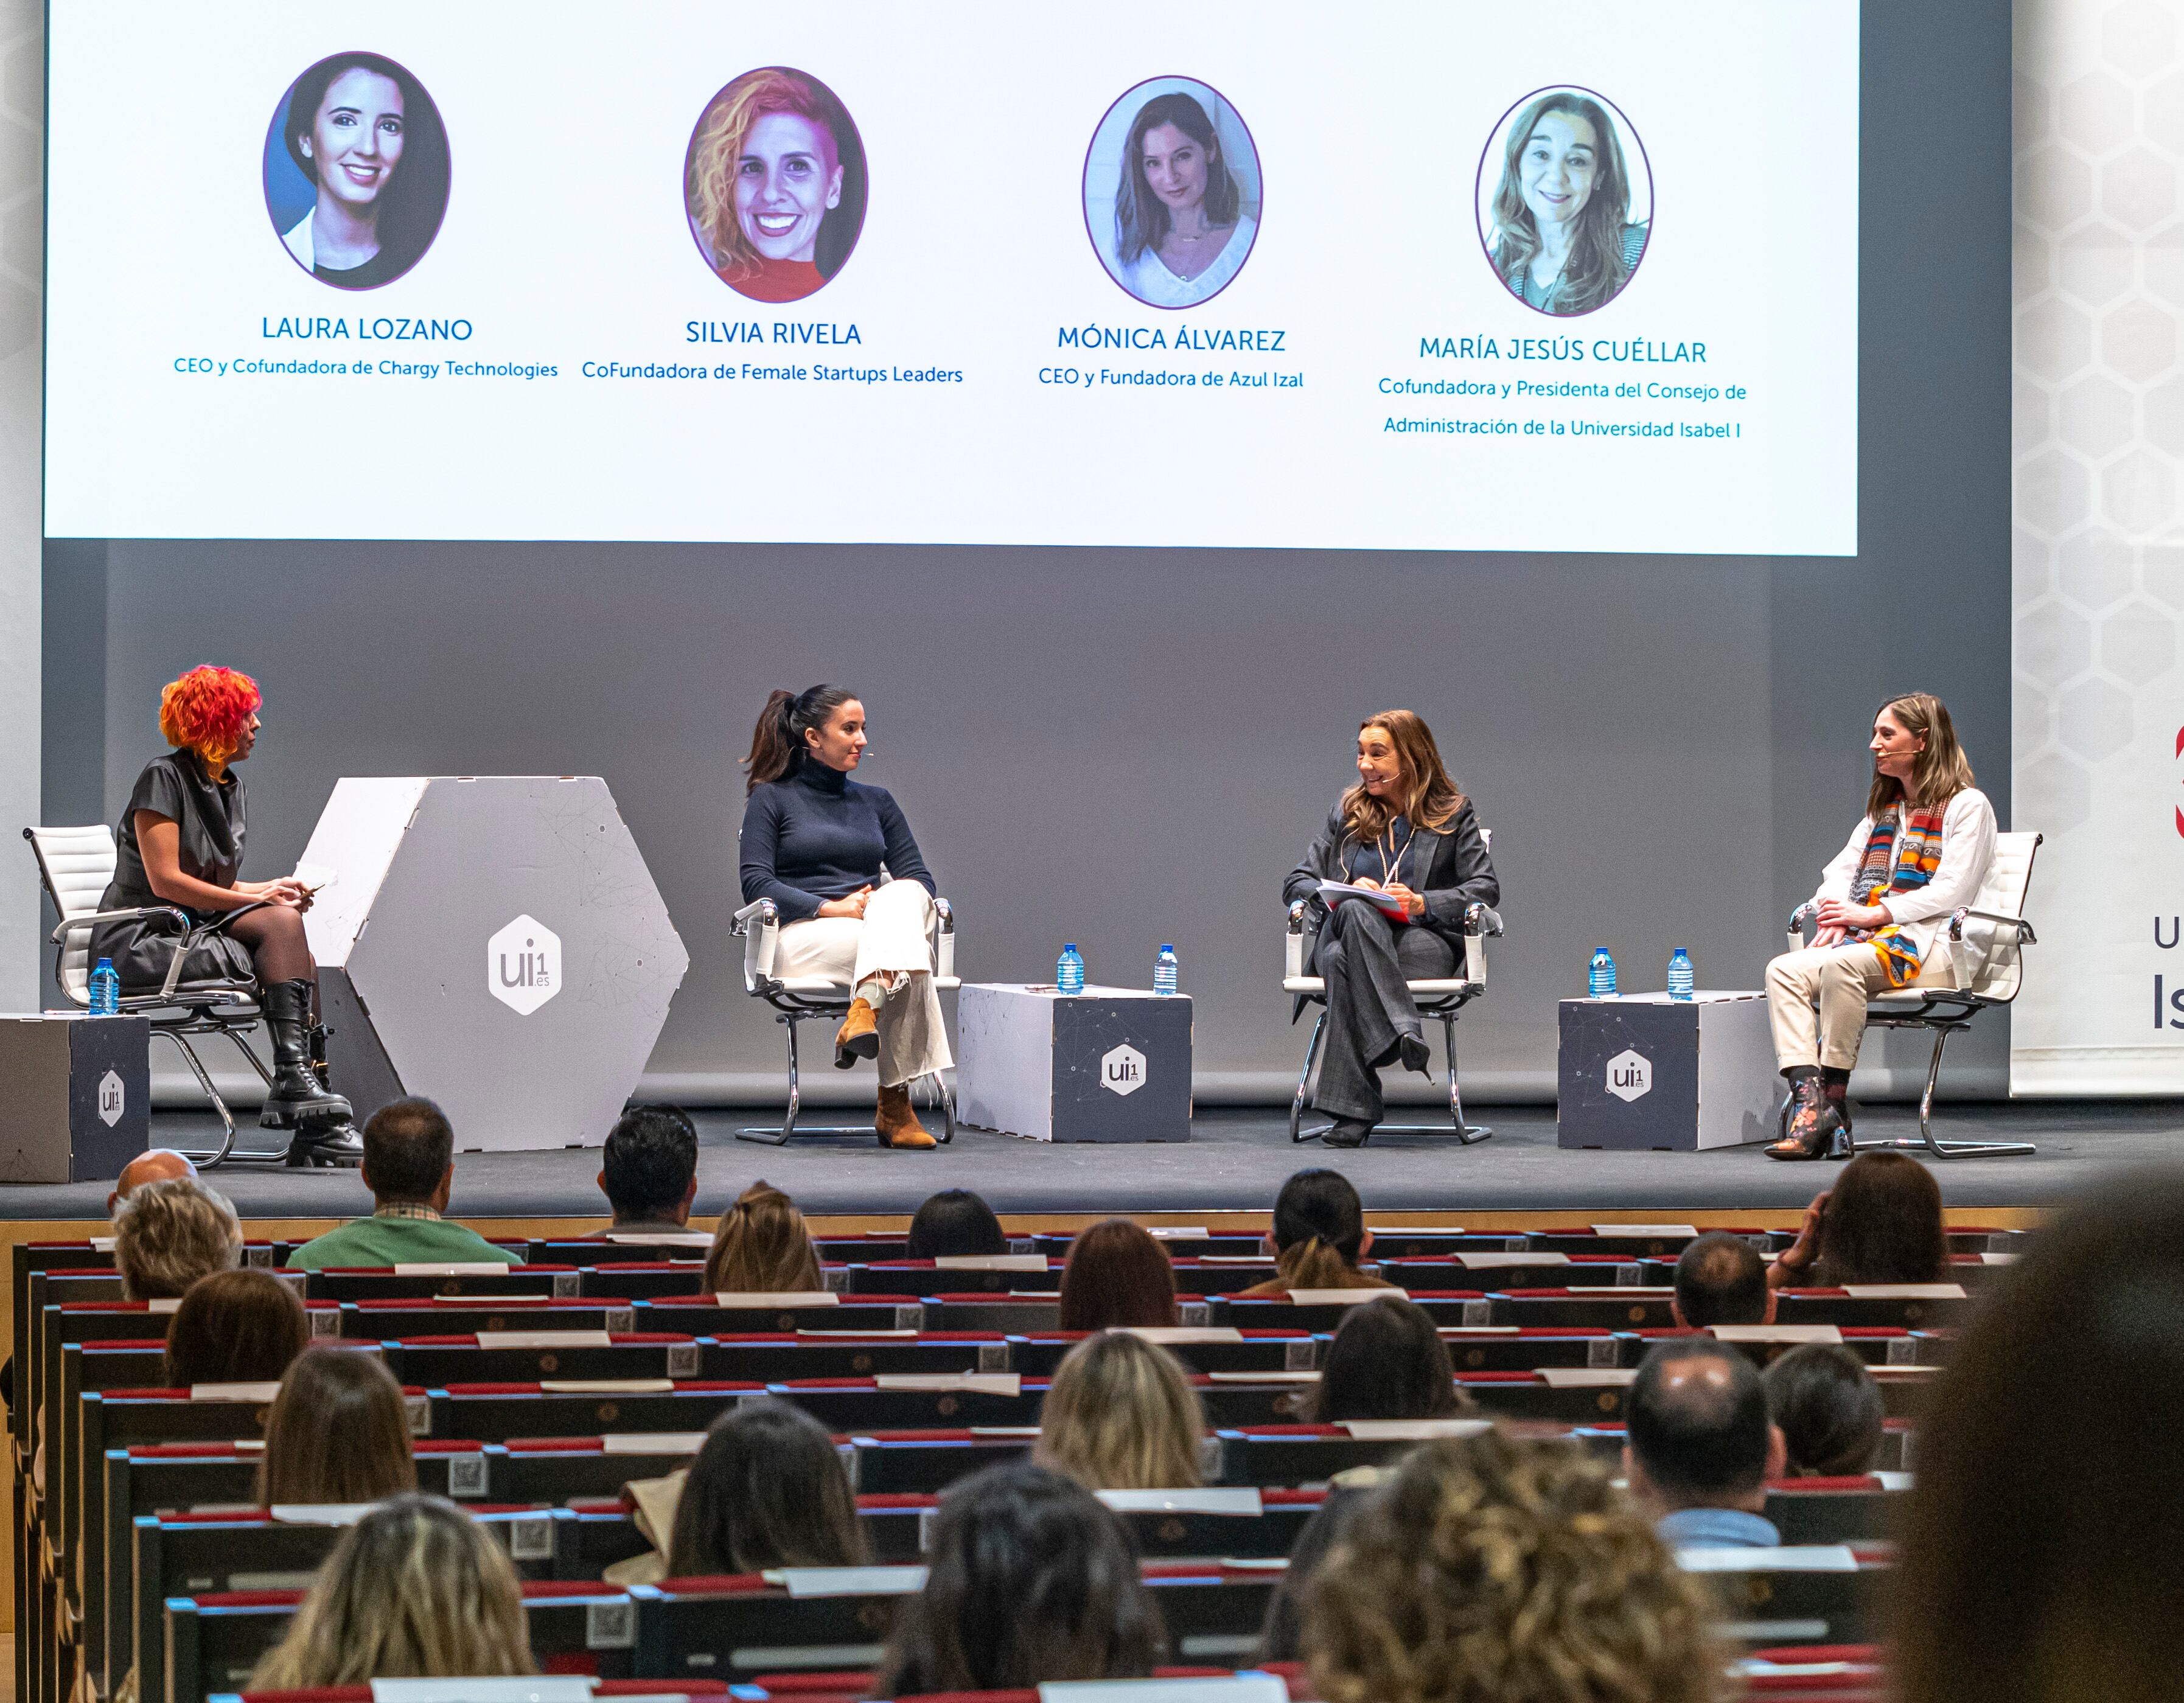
x,y
839,863
179,847
1319,1235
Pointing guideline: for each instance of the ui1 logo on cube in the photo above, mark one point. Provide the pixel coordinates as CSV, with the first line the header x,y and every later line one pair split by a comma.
x,y
1122,1070
110,1099
1629,1076
523,965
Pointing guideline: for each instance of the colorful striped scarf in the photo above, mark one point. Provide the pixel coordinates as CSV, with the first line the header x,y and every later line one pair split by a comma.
x,y
1887,869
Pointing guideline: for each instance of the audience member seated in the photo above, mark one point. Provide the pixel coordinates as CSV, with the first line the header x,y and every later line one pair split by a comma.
x,y
236,1328
762,1248
1121,1415
153,1165
1721,1280
1881,1223
1701,1447
1031,1580
169,1234
1828,1409
336,1393
768,1490
2040,1558
1118,1274
1319,1236
1490,1567
1387,1361
649,1170
954,1223
415,1591
409,1165
1281,1634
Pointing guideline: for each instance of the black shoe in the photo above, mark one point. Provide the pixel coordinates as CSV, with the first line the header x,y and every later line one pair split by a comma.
x,y
296,1096
330,1144
1811,1124
1347,1132
1415,1055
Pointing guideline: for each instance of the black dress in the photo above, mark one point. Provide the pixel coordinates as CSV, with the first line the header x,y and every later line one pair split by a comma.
x,y
209,814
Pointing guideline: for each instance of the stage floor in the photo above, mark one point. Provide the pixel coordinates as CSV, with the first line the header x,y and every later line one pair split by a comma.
x,y
1236,1159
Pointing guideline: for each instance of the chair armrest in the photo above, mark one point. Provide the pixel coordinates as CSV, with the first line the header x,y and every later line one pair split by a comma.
x,y
944,937
1296,953
759,922
181,920
1480,920
2026,936
1798,918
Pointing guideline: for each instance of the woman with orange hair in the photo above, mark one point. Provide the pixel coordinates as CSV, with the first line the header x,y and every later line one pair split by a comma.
x,y
775,185
1406,834
180,846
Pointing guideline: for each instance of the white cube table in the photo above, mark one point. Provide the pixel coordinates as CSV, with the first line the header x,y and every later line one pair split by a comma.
x,y
1645,1071
1110,1064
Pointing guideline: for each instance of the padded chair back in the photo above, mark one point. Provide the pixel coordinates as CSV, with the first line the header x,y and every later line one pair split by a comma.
x,y
1990,960
76,864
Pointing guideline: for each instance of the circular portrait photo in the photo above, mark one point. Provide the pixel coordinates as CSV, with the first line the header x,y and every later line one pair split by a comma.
x,y
1172,192
356,171
774,183
1565,201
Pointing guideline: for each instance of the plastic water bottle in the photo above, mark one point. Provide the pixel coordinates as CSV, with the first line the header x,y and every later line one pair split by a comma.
x,y
1069,971
1680,975
1600,978
1164,971
105,990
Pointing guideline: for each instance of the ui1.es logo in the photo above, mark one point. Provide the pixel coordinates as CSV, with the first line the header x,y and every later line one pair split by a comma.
x,y
1629,1076
111,1101
523,965
1122,1070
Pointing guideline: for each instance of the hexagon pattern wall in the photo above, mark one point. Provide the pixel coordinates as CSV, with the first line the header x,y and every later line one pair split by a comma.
x,y
2097,568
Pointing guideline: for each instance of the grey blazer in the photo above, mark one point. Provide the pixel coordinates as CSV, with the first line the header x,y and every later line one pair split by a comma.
x,y
1451,867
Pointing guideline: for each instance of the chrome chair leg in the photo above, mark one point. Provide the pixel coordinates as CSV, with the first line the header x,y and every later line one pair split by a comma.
x,y
781,1138
1470,1135
1297,1103
210,1158
1925,1142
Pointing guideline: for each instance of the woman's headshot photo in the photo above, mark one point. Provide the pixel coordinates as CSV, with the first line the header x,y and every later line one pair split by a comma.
x,y
1172,192
356,171
1565,201
774,184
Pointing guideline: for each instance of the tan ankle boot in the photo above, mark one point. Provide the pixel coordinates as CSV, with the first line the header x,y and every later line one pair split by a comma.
x,y
859,1037
896,1124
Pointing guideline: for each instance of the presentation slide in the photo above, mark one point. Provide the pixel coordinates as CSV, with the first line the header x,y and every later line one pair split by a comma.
x,y
1390,275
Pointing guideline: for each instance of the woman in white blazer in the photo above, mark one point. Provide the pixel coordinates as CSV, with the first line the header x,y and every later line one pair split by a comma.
x,y
1921,851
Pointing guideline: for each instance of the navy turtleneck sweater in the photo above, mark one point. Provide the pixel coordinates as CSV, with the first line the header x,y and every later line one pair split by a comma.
x,y
817,835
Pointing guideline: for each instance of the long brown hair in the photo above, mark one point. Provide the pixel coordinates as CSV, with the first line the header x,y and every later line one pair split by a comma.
x,y
1942,771
1118,1274
337,1432
1883,1224
777,750
236,1328
1430,798
761,1247
1595,269
767,1490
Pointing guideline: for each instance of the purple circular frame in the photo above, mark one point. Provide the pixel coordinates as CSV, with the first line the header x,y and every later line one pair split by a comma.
x,y
1085,170
864,156
1478,184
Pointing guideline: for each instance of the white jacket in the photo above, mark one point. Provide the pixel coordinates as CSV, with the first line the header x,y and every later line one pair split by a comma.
x,y
1968,831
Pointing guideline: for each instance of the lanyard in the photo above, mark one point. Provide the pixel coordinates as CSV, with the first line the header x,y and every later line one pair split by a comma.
x,y
1389,871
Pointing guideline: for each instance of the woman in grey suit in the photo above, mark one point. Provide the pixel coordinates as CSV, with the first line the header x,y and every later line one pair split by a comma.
x,y
1406,834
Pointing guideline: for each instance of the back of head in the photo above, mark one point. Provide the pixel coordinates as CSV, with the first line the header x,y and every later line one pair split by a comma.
x,y
169,1234
1721,1280
1031,1580
1494,1568
1118,1274
767,1490
1387,1361
761,1247
236,1328
414,1590
650,1158
1698,1424
408,1145
337,1432
1121,1415
1829,1410
1319,1227
1883,1224
2039,1555
153,1165
955,1222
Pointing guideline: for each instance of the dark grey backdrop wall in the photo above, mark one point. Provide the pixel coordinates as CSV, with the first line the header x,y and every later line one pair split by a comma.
x,y
1124,748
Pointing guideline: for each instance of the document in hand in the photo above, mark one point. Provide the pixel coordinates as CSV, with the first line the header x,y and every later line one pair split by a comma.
x,y
1333,893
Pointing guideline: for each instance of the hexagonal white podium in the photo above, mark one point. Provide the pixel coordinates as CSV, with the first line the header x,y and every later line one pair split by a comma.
x,y
494,942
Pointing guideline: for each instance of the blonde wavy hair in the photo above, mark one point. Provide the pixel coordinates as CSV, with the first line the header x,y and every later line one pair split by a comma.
x,y
718,150
1942,771
168,1233
1121,1415
761,1247
1488,1569
415,1589
1430,798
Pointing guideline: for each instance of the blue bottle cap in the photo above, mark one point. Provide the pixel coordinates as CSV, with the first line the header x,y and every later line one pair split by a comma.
x,y
1069,946
1168,947
104,964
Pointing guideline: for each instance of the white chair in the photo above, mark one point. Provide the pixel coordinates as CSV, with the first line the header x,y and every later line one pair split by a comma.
x,y
1442,997
1987,939
797,999
76,864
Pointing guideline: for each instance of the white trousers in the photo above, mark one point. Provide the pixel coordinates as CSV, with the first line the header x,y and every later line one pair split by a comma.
x,y
1816,998
893,939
